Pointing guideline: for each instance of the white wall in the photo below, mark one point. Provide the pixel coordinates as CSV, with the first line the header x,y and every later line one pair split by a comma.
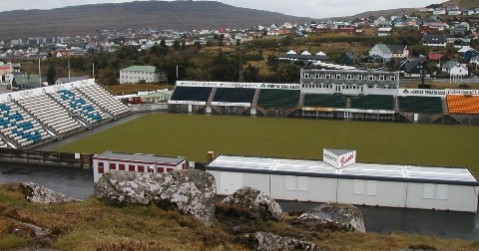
x,y
372,192
303,188
352,191
442,197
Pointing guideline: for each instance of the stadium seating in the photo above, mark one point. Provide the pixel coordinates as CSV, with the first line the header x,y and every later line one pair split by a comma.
x,y
80,106
373,102
104,99
184,93
278,98
50,113
324,100
18,126
459,104
234,95
420,104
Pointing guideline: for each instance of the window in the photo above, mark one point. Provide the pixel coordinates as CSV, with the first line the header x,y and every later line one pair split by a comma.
x,y
159,170
122,167
290,183
141,169
428,192
372,187
359,187
441,192
131,168
169,170
101,168
303,183
112,166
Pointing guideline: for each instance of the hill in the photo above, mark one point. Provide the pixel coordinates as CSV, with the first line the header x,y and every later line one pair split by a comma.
x,y
92,225
180,15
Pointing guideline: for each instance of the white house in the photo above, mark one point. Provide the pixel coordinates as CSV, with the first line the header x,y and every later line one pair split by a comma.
x,y
135,162
137,74
381,50
338,178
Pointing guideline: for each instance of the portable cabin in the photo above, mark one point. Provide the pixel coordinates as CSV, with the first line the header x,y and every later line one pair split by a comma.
x,y
135,162
340,179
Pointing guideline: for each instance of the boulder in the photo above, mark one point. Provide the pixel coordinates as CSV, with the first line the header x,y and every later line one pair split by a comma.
x,y
259,205
190,191
40,194
334,216
271,242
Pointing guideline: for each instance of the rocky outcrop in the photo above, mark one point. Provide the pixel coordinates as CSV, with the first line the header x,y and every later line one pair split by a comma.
x,y
190,191
334,216
259,205
271,242
40,194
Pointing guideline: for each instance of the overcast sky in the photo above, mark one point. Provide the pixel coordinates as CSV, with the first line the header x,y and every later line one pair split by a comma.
x,y
300,8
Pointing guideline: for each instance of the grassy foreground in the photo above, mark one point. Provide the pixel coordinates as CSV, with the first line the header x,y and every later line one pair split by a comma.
x,y
193,136
91,225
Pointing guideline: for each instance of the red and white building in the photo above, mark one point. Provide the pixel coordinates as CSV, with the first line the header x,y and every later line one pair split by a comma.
x,y
135,162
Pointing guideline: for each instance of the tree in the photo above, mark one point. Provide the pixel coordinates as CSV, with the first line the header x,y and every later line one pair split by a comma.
x,y
51,74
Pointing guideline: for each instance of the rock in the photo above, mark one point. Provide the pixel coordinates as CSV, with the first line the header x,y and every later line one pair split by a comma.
x,y
271,242
258,204
190,191
40,194
335,216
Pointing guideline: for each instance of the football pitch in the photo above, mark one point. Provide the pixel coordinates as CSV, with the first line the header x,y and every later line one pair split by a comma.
x,y
192,136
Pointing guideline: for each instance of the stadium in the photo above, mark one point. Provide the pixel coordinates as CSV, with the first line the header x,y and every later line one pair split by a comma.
x,y
36,117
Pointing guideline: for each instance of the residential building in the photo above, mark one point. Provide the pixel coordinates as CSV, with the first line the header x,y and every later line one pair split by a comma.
x,y
139,74
433,40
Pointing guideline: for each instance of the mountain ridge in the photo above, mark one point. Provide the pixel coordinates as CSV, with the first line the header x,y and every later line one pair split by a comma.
x,y
87,19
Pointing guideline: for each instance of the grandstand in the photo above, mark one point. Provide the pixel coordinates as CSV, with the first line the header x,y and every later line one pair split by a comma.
x,y
33,117
336,94
417,104
278,98
324,101
463,104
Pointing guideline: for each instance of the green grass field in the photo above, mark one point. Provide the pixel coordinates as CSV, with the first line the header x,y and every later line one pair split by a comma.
x,y
193,136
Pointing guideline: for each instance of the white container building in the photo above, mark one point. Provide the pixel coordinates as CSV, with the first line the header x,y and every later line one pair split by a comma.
x,y
353,183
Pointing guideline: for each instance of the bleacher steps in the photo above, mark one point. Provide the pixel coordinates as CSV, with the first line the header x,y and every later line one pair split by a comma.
x,y
93,101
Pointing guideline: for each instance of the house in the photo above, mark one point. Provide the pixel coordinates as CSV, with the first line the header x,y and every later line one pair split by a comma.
x,y
457,31
416,69
474,60
467,53
440,26
461,43
436,58
347,58
455,69
385,31
399,51
439,11
389,51
382,51
433,40
138,74
5,72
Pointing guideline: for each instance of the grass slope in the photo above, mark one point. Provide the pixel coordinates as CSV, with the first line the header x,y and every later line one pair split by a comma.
x,y
91,225
193,135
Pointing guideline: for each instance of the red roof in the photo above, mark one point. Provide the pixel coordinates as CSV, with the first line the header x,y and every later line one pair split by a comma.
x,y
435,56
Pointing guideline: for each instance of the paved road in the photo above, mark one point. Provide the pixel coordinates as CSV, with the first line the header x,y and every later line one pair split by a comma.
x,y
74,182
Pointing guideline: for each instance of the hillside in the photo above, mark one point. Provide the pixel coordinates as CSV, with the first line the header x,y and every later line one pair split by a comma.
x,y
91,225
87,19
